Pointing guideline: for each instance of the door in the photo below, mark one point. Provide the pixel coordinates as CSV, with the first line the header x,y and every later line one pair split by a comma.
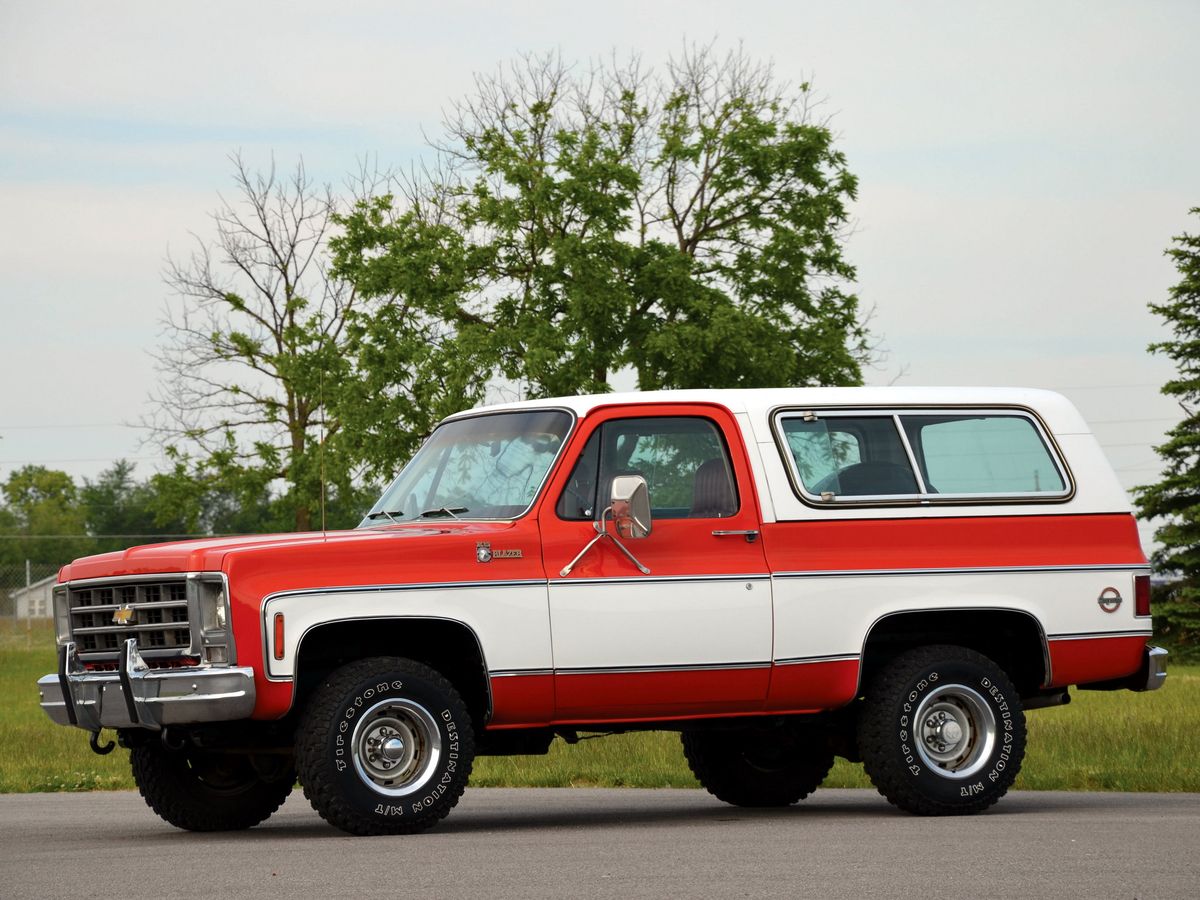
x,y
693,636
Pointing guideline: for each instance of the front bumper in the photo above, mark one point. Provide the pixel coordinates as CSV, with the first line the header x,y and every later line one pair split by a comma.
x,y
137,696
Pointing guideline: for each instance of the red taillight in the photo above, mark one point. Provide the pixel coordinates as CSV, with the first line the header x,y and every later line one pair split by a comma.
x,y
1141,595
279,635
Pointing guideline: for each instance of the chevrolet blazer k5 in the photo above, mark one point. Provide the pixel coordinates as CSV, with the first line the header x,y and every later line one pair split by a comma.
x,y
891,575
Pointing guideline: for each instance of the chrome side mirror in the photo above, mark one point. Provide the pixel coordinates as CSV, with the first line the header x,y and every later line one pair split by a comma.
x,y
630,505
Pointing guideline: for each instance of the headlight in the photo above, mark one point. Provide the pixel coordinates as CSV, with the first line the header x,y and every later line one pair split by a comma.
x,y
62,614
216,640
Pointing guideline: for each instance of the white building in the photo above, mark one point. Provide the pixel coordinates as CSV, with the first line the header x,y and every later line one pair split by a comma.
x,y
34,602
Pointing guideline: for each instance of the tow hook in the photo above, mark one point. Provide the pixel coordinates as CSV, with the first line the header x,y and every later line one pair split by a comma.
x,y
94,741
171,742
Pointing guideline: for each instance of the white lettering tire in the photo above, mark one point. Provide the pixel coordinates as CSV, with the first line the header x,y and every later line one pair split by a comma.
x,y
384,746
942,731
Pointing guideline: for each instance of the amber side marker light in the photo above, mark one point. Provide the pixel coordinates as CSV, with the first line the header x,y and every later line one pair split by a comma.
x,y
1141,595
279,635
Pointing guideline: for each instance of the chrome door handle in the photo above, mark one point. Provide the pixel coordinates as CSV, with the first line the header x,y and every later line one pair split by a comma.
x,y
749,534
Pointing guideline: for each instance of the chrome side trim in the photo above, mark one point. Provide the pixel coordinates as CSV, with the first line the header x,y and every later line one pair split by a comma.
x,y
640,670
804,660
515,673
963,570
662,579
1101,635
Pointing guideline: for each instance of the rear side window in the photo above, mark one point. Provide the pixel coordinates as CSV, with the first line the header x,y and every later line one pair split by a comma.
x,y
923,456
983,455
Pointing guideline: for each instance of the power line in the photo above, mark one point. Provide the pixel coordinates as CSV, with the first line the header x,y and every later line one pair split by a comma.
x,y
1131,421
105,537
70,425
40,461
1102,387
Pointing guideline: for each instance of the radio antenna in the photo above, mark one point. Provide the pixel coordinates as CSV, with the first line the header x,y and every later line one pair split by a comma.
x,y
321,443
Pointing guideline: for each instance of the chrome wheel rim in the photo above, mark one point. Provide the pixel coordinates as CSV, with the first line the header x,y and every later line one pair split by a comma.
x,y
955,731
396,747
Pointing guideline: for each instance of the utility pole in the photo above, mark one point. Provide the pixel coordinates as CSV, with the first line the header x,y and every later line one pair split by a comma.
x,y
28,601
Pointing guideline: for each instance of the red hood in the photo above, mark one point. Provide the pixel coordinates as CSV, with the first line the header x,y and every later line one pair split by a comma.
x,y
210,554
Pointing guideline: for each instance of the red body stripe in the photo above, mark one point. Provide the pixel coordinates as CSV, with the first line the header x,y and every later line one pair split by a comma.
x,y
646,695
1094,659
519,700
965,541
813,686
527,700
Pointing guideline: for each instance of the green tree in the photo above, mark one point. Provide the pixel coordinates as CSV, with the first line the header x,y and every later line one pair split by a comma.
x,y
120,511
1176,497
42,519
688,225
257,356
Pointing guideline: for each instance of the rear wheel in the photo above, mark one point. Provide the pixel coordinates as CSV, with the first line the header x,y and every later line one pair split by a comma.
x,y
758,766
204,791
942,731
385,746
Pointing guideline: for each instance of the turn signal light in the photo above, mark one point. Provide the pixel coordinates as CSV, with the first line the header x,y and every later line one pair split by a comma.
x,y
1141,595
279,635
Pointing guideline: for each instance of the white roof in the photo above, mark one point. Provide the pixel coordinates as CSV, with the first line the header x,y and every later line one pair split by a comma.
x,y
33,587
1055,410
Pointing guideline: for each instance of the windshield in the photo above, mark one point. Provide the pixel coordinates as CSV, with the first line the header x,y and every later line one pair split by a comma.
x,y
485,467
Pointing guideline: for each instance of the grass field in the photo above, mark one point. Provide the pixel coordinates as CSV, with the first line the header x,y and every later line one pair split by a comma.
x,y
1101,741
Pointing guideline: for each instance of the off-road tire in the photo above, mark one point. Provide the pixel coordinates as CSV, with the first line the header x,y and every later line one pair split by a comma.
x,y
200,791
758,767
353,723
961,764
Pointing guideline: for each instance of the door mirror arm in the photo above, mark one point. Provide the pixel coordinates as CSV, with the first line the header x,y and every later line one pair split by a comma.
x,y
629,507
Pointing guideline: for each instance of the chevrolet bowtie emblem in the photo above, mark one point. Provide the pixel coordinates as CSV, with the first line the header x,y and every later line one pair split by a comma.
x,y
123,615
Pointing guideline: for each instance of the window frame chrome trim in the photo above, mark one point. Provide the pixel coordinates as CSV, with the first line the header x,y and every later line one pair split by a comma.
x,y
1057,457
700,410
463,417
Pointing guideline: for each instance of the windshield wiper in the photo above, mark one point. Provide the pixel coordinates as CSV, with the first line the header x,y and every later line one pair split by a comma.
x,y
391,516
444,511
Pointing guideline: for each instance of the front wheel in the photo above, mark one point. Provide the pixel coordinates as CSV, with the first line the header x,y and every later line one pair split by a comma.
x,y
206,791
942,731
385,746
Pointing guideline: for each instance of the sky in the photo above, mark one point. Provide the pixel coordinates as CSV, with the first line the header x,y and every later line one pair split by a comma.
x,y
1022,167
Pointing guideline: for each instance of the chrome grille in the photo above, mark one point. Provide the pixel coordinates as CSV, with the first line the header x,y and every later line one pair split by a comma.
x,y
154,612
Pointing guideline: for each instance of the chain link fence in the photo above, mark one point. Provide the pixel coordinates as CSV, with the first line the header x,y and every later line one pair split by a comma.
x,y
25,590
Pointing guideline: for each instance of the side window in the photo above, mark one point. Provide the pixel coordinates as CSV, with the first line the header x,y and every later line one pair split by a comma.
x,y
683,459
923,455
849,456
987,454
578,500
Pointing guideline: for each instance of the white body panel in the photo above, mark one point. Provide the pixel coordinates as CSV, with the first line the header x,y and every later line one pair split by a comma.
x,y
604,624
825,615
508,619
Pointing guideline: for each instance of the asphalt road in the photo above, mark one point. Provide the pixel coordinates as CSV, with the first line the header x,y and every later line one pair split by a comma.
x,y
617,843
